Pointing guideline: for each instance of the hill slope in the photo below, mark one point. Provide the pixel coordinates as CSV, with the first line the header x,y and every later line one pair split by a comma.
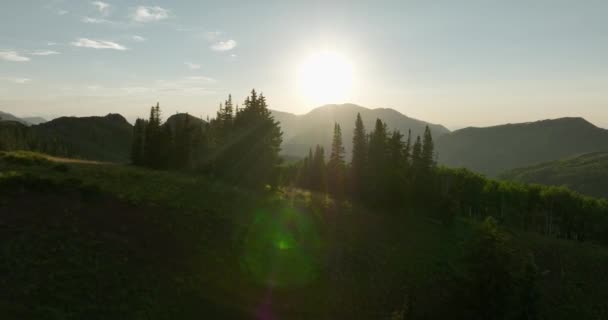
x,y
587,174
95,138
300,132
493,150
111,241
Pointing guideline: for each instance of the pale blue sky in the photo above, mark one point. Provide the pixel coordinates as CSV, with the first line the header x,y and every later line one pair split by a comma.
x,y
457,63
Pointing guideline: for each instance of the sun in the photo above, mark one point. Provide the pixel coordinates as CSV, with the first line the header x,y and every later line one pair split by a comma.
x,y
326,77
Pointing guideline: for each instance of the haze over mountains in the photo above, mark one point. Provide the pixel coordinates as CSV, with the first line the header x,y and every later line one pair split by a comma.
x,y
301,132
490,150
496,149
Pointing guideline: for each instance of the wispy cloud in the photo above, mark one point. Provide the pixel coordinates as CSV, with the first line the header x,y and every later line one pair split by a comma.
x,y
62,12
21,80
98,44
94,20
149,14
43,53
224,45
16,80
192,66
102,7
138,38
13,56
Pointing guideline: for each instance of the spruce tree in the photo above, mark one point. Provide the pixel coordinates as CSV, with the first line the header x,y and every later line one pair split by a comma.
x,y
335,166
428,150
417,163
137,148
359,157
318,170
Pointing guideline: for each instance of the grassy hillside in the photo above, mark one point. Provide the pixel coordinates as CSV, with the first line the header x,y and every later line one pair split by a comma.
x,y
587,174
99,241
493,150
316,127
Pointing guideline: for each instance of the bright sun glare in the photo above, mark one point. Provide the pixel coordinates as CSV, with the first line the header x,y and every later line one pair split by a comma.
x,y
326,77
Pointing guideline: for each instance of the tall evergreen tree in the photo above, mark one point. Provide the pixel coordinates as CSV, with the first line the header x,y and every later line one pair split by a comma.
x,y
137,148
336,165
358,164
417,162
257,137
428,150
318,170
378,162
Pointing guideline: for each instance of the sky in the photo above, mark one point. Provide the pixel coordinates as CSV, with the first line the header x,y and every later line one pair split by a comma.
x,y
457,63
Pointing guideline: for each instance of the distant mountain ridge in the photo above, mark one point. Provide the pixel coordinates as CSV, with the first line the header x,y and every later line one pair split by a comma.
x,y
301,132
493,150
95,138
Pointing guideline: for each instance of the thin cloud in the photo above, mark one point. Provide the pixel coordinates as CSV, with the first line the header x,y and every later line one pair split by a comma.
x,y
94,20
13,56
138,38
224,45
193,66
16,80
97,44
43,53
62,12
102,7
22,80
149,14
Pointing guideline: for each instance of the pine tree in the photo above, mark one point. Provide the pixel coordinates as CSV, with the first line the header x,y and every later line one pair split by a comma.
x,y
257,138
428,150
417,162
318,170
379,163
336,165
408,149
152,141
137,148
358,164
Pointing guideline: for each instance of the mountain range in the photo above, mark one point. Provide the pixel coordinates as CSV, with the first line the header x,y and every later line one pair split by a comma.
x,y
493,150
490,150
302,132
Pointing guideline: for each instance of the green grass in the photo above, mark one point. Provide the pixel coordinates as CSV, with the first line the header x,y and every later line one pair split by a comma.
x,y
101,241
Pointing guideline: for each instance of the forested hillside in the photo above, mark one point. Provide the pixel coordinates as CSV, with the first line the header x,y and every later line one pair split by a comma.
x,y
587,174
96,138
493,150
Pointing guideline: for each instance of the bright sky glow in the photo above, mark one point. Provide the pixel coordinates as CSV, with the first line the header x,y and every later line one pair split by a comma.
x,y
326,77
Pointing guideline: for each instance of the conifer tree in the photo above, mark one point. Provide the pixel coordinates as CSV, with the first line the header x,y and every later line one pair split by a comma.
x,y
358,164
408,149
336,165
428,150
137,148
318,170
379,170
417,163
257,137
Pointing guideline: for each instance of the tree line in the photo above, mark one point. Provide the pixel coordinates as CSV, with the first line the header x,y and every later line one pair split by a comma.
x,y
389,172
240,145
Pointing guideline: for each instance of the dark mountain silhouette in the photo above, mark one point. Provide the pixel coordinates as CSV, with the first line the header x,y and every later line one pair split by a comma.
x,y
96,138
493,150
587,174
178,118
300,132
